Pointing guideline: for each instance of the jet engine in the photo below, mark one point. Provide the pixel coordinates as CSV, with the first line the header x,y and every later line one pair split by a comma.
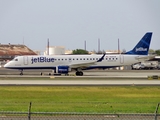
x,y
62,69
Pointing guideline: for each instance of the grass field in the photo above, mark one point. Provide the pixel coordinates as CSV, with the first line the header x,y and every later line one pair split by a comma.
x,y
114,99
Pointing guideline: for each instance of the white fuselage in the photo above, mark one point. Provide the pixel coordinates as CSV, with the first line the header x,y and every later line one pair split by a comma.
x,y
52,61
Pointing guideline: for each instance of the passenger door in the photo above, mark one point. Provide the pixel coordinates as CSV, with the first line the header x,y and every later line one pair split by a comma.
x,y
121,59
25,60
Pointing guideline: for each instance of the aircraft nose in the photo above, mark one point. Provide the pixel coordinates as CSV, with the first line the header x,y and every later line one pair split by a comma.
x,y
6,65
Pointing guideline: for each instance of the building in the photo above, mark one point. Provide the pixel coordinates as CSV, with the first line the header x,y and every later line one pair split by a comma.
x,y
9,51
55,50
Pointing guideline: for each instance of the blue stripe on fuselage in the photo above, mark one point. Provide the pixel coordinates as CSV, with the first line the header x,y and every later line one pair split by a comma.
x,y
88,68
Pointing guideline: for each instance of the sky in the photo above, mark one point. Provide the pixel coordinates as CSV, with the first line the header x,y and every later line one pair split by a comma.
x,y
70,23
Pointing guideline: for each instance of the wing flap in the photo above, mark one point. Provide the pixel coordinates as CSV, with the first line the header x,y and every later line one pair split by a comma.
x,y
82,65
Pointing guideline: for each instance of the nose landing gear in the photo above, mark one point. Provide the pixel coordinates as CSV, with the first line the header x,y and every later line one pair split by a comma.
x,y
21,72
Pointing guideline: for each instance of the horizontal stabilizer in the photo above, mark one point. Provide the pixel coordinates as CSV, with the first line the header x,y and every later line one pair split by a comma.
x,y
145,57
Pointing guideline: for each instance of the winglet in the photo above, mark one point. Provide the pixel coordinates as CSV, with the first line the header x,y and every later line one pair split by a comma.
x,y
101,58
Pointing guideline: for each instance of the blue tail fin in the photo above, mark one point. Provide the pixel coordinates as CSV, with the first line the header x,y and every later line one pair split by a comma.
x,y
143,45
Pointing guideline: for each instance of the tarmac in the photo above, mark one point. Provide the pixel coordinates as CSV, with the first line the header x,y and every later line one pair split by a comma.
x,y
90,78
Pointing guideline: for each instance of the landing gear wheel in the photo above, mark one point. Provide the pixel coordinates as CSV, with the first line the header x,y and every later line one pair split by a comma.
x,y
21,73
79,73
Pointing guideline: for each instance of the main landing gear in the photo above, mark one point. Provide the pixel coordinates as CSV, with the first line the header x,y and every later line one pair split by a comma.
x,y
79,73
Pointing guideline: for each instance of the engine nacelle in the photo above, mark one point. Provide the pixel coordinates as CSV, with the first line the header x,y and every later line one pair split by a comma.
x,y
62,69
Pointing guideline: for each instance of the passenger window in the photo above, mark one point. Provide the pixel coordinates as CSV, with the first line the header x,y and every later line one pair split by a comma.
x,y
16,59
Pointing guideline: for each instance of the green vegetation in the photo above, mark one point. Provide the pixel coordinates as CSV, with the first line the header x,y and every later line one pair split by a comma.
x,y
80,51
124,99
157,52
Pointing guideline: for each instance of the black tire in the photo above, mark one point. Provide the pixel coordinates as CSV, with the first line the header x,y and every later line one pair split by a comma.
x,y
77,73
21,73
81,73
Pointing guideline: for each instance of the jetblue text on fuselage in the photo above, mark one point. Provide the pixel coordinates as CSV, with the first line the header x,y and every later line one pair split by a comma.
x,y
41,60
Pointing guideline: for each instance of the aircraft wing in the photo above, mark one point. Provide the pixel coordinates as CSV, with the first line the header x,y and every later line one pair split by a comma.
x,y
145,57
82,65
87,64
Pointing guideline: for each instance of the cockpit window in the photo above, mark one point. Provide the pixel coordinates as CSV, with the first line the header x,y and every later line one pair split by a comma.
x,y
16,59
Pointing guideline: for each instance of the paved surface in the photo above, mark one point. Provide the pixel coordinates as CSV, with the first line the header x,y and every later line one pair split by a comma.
x,y
93,77
80,82
4,71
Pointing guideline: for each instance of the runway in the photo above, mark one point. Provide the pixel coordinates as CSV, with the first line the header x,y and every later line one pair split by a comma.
x,y
90,78
4,71
80,82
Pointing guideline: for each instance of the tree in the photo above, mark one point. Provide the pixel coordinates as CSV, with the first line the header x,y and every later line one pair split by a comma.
x,y
151,51
157,52
80,51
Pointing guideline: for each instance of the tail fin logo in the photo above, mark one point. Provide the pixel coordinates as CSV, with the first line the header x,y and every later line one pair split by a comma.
x,y
141,49
142,46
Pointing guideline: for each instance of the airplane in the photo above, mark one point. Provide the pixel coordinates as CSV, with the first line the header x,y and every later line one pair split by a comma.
x,y
63,64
